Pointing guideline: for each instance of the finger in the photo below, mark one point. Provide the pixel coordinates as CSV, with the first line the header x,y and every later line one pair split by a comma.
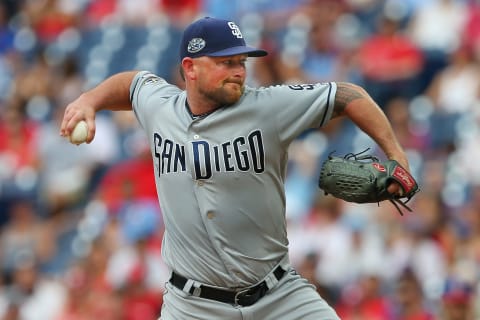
x,y
393,188
91,129
63,125
70,119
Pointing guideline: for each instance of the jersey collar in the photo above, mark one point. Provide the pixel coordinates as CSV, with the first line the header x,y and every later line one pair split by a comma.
x,y
197,116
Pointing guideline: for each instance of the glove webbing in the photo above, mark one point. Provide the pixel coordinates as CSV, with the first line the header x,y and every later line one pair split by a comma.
x,y
403,204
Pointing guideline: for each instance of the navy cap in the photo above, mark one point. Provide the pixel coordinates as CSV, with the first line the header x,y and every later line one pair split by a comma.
x,y
215,38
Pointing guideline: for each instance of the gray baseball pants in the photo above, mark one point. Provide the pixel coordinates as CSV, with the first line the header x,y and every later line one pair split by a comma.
x,y
292,298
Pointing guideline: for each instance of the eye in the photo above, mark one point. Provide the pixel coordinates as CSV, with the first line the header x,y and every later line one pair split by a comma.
x,y
233,62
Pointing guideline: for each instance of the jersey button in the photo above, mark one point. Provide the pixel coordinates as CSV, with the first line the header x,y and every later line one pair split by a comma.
x,y
210,215
196,136
200,183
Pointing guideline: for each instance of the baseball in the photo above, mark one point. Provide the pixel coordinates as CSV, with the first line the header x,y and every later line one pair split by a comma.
x,y
79,133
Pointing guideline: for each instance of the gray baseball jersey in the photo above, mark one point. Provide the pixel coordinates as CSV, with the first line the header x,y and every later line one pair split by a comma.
x,y
220,176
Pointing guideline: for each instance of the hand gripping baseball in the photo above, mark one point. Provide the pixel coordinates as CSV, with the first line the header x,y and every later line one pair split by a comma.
x,y
364,179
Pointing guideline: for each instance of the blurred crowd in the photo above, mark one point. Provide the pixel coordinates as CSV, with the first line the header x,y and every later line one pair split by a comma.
x,y
81,228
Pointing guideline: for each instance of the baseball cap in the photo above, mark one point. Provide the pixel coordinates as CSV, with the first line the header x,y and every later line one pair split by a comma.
x,y
457,291
215,38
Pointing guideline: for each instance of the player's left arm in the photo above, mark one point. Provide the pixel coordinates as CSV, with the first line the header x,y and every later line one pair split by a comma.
x,y
355,103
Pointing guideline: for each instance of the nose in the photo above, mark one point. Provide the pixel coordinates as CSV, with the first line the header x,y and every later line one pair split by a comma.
x,y
239,70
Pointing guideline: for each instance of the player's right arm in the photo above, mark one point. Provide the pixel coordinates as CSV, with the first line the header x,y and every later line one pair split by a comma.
x,y
111,94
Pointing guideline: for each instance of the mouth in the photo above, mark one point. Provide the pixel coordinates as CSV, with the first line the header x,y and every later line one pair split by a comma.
x,y
234,81
234,84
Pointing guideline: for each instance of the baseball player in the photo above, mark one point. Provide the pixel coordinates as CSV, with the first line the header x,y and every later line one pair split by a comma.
x,y
219,149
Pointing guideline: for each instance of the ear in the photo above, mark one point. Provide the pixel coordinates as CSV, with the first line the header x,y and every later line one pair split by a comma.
x,y
189,68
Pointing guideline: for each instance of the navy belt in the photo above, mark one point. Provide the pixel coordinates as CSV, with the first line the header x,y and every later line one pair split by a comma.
x,y
243,297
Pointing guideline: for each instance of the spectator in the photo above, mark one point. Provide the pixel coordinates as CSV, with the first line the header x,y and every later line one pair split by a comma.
x,y
31,295
307,268
411,134
18,160
409,301
364,300
24,236
300,186
48,20
90,294
457,301
436,46
137,13
97,11
454,91
181,12
139,302
7,34
322,58
390,63
471,32
26,80
128,180
322,233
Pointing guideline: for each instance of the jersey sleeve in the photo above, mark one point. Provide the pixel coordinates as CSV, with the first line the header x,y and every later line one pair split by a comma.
x,y
297,108
147,91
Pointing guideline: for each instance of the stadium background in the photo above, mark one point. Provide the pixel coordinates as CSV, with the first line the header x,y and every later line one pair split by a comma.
x,y
81,227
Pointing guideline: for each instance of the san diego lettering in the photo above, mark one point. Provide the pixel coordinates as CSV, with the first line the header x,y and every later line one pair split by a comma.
x,y
243,153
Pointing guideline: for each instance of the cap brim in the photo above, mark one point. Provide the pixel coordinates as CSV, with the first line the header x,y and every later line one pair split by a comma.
x,y
251,52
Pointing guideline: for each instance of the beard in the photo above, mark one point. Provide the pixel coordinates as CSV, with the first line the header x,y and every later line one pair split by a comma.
x,y
228,94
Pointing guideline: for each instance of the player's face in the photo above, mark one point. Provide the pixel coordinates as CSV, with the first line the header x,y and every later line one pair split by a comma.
x,y
222,79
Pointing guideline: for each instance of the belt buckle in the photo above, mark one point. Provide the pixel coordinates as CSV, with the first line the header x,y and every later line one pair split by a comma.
x,y
196,291
241,294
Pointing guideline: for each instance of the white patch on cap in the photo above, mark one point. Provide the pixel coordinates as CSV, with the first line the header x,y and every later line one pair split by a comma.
x,y
195,45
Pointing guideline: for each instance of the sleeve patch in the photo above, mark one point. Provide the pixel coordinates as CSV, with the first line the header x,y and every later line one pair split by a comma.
x,y
150,78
